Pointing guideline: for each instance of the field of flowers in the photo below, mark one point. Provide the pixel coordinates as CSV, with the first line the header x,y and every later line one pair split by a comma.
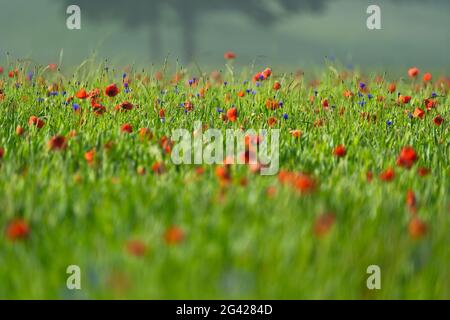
x,y
86,179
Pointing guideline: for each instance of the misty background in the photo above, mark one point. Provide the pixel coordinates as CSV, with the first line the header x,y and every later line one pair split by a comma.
x,y
280,33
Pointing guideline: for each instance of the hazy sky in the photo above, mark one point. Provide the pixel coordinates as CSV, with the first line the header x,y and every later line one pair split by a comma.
x,y
413,33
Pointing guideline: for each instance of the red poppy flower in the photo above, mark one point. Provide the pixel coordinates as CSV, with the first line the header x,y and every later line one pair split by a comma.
x,y
2,152
81,94
339,151
347,94
404,99
410,199
111,90
174,235
418,113
19,130
158,168
407,157
438,120
276,86
427,77
1,69
162,113
53,66
387,175
35,121
417,228
57,143
325,103
272,121
136,248
430,104
89,156
126,128
223,174
229,55
98,109
369,176
17,229
392,87
188,106
422,172
267,73
124,106
323,224
232,114
296,133
11,74
413,72
304,183
241,94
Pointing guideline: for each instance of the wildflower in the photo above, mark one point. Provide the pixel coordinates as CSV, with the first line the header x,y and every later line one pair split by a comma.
x,y
285,116
174,235
162,113
53,66
407,157
411,200
417,228
304,183
158,168
98,109
241,94
124,106
89,156
391,87
126,128
136,248
75,107
404,99
272,121
276,86
427,77
229,55
422,172
81,94
223,174
339,151
111,90
413,72
2,152
57,143
369,176
323,224
17,229
232,114
348,94
387,175
418,113
296,133
19,130
438,120
35,121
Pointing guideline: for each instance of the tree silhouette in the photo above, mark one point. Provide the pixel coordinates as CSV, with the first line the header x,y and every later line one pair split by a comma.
x,y
137,13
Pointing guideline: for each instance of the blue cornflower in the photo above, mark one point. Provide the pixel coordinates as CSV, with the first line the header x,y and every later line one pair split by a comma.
x,y
258,84
124,75
254,92
75,106
362,103
370,96
285,116
225,83
360,94
389,123
125,84
219,110
434,95
362,85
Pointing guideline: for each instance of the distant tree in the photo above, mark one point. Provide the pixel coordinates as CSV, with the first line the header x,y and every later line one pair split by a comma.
x,y
137,13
